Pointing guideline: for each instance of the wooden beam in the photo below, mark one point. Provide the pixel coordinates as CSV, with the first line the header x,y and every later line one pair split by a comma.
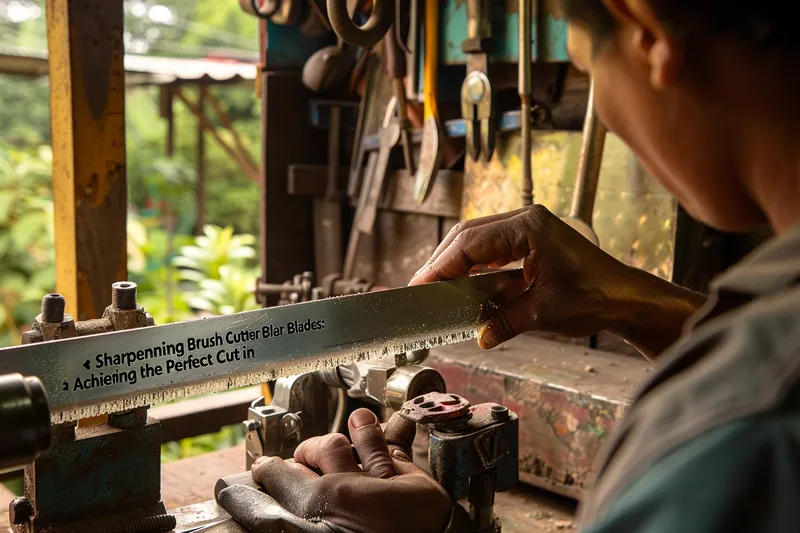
x,y
223,117
253,173
87,114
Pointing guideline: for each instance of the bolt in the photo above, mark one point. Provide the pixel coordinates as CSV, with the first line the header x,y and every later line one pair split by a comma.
x,y
251,425
53,308
20,511
500,413
476,89
123,295
160,523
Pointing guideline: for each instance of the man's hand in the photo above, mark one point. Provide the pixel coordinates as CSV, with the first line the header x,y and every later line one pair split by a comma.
x,y
572,287
387,494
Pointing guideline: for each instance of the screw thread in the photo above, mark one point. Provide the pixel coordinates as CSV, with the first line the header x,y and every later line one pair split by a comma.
x,y
160,523
123,295
53,306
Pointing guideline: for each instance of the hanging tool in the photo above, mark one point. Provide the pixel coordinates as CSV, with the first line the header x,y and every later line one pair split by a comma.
x,y
430,154
126,369
368,34
328,67
588,175
396,69
476,91
525,92
355,234
389,135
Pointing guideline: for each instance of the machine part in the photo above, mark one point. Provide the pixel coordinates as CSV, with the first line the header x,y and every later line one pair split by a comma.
x,y
435,408
390,135
383,383
25,419
430,153
123,295
472,451
235,350
525,95
20,511
476,90
368,34
93,501
299,411
328,67
53,306
152,524
588,175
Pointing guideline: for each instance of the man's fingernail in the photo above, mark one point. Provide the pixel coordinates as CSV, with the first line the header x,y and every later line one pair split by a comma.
x,y
401,455
260,460
362,418
487,337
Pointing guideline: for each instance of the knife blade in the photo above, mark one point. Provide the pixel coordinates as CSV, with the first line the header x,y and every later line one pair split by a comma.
x,y
111,372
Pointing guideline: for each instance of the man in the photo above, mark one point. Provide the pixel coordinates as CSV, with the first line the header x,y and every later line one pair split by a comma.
x,y
705,93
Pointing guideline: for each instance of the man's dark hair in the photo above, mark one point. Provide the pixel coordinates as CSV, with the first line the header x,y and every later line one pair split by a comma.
x,y
765,23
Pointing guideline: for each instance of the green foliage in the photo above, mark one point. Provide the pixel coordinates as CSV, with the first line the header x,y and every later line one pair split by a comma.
x,y
25,111
27,269
225,438
217,270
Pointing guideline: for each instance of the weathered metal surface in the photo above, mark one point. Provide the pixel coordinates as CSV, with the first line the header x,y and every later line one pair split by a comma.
x,y
634,217
548,32
87,109
95,472
568,399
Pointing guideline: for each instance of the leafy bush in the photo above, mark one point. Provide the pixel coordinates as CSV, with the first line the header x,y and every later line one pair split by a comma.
x,y
27,257
218,271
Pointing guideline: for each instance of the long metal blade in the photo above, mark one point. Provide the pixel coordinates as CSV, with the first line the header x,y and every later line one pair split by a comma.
x,y
86,376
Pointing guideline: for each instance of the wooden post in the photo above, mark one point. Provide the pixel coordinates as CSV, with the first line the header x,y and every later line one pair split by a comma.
x,y
87,109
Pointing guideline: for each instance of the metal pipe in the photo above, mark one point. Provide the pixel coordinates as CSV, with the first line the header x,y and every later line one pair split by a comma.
x,y
591,158
368,34
481,500
525,21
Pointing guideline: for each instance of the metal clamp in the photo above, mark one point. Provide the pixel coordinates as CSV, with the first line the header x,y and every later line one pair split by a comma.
x,y
476,108
473,451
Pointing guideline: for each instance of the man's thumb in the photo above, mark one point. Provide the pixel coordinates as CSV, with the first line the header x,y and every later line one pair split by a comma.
x,y
506,322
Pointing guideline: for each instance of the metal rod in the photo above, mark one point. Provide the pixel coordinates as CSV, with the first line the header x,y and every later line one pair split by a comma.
x,y
525,98
591,158
481,500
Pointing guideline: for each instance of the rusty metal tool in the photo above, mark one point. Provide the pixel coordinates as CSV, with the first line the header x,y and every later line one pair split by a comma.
x,y
430,154
368,34
396,69
351,255
588,175
390,135
476,91
525,92
122,370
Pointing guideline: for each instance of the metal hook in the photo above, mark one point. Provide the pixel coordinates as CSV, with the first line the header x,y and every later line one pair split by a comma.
x,y
371,32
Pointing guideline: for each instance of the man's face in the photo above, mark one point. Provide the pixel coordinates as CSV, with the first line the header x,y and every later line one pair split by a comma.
x,y
649,93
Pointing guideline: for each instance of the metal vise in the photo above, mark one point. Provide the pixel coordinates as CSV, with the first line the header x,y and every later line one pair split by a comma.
x,y
301,405
473,450
112,468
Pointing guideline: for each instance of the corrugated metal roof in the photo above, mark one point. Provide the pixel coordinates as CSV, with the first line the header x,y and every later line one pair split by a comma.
x,y
142,70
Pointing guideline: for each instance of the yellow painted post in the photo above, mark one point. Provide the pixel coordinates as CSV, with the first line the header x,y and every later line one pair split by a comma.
x,y
87,114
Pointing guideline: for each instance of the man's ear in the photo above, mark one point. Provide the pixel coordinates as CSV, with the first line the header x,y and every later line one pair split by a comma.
x,y
648,39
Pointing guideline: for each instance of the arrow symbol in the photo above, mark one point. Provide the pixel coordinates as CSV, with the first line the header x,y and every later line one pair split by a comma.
x,y
66,386
87,364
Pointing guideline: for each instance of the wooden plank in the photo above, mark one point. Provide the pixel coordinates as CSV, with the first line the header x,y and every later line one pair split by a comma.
x,y
87,115
311,180
287,138
207,414
189,481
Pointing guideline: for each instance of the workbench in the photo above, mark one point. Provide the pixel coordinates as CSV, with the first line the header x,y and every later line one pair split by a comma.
x,y
188,483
